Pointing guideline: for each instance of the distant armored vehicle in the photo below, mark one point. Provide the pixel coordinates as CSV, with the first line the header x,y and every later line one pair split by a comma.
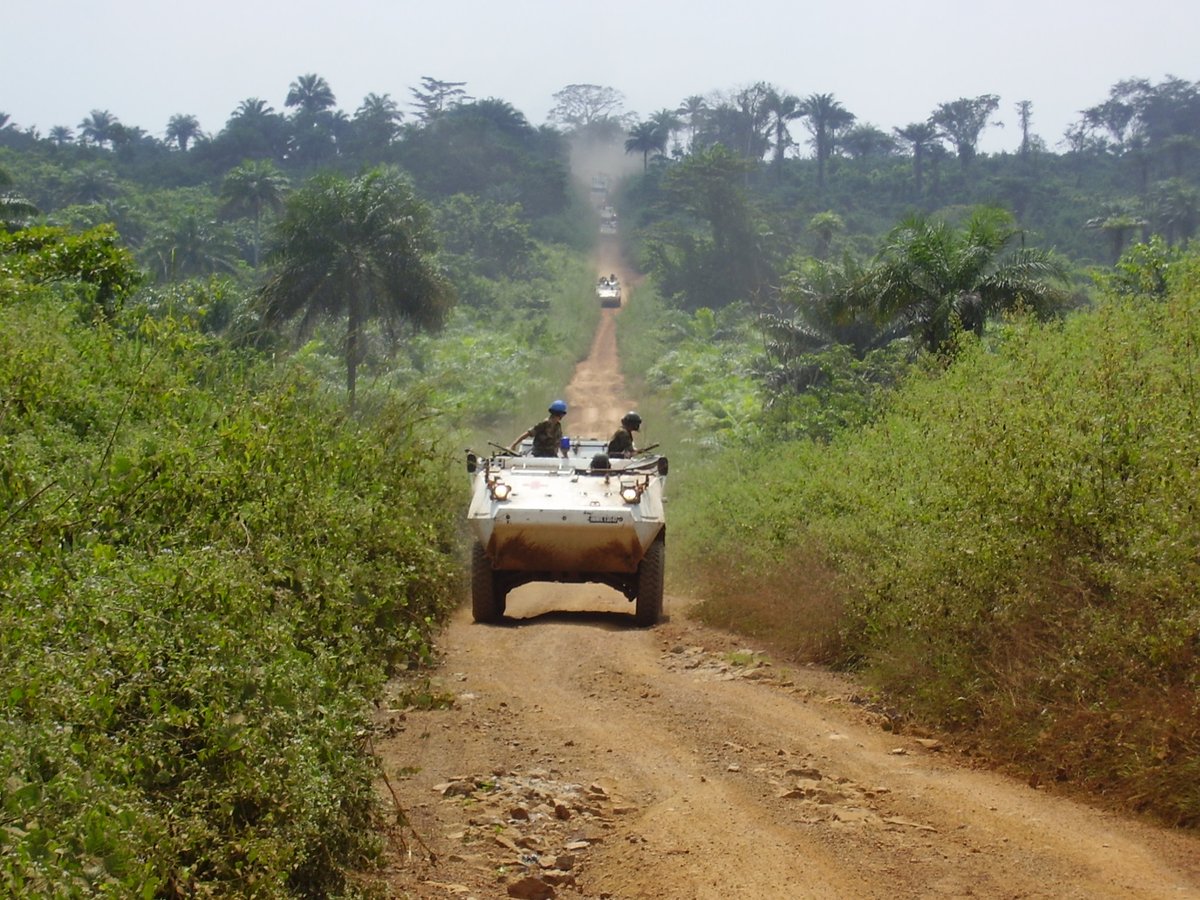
x,y
608,220
585,518
608,290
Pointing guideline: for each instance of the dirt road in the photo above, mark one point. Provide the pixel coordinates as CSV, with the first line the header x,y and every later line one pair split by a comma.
x,y
585,758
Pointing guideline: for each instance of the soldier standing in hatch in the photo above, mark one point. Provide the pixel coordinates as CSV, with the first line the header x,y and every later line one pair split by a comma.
x,y
621,443
547,434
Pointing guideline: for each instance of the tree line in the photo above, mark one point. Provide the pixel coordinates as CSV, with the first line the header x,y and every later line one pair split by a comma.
x,y
727,210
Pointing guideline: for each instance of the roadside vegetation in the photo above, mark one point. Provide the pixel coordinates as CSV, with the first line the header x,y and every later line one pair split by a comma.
x,y
932,414
208,569
1008,549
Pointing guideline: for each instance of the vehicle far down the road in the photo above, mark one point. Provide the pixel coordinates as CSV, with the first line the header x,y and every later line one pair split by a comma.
x,y
580,518
608,290
608,220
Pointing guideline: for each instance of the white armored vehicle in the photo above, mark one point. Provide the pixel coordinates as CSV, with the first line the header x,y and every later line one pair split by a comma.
x,y
608,290
608,220
583,518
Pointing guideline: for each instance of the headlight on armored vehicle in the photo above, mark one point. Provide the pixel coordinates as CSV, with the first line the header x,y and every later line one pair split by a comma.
x,y
631,493
500,490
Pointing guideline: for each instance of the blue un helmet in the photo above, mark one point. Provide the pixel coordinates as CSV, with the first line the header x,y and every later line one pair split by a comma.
x,y
559,406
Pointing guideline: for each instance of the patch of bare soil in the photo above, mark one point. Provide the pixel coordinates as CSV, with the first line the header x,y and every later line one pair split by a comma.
x,y
583,757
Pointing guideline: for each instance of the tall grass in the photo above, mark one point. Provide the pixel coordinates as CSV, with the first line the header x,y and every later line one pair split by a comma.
x,y
1014,547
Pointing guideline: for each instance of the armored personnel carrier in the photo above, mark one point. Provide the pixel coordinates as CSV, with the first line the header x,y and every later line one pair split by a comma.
x,y
579,518
608,290
608,220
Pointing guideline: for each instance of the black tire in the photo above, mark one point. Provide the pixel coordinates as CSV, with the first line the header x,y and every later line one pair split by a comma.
x,y
487,597
650,584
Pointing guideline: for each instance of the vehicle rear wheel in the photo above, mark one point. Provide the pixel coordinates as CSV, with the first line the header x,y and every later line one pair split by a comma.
x,y
650,584
487,595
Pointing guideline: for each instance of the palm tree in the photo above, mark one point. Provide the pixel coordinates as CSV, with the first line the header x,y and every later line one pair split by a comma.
x,y
783,108
91,183
825,118
645,138
181,129
693,110
931,280
865,140
361,248
61,135
253,131
493,114
98,128
668,122
311,94
252,110
826,307
313,125
14,209
1119,219
189,245
920,137
254,187
377,120
128,137
825,225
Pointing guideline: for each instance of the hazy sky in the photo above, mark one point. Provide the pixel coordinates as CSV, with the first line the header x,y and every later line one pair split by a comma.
x,y
889,63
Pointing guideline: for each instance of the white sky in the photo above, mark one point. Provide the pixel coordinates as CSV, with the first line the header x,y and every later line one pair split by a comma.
x,y
889,63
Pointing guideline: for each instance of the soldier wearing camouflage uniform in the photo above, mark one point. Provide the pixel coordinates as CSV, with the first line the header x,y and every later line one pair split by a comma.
x,y
547,434
620,444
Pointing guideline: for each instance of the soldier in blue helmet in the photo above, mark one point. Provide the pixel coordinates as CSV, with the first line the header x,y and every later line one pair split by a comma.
x,y
547,434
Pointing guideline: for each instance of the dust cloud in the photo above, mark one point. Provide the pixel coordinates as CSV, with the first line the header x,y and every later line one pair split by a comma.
x,y
591,158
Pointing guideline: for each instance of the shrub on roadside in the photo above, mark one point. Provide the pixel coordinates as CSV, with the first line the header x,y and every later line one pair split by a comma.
x,y
1016,544
206,571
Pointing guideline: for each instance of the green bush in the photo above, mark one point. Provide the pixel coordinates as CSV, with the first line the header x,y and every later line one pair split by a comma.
x,y
100,272
206,572
1015,543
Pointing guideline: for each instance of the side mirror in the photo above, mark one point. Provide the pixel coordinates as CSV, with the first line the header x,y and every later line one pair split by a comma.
x,y
662,465
472,462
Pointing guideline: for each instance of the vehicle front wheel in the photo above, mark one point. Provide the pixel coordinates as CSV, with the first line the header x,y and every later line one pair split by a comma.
x,y
650,584
487,597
